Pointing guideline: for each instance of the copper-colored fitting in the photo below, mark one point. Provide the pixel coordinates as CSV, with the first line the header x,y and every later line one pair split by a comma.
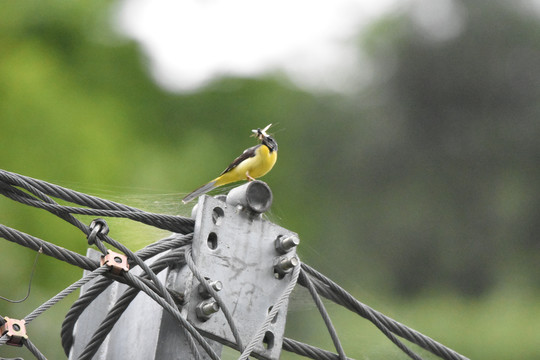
x,y
116,261
15,330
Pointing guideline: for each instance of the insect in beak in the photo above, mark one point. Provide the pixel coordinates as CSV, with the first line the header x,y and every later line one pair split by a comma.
x,y
261,134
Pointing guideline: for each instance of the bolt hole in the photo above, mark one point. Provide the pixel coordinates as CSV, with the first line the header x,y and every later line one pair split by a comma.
x,y
217,215
16,327
212,241
117,260
268,340
275,316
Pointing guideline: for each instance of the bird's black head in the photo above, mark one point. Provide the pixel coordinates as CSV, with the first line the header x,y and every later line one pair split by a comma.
x,y
270,143
265,138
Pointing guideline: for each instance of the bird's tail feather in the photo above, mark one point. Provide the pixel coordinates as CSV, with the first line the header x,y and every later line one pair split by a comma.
x,y
199,191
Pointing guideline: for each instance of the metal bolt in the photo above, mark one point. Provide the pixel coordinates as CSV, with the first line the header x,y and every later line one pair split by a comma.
x,y
284,244
177,281
206,308
284,265
288,263
178,297
216,285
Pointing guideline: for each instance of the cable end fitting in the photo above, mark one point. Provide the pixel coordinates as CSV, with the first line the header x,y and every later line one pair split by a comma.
x,y
97,226
117,262
15,330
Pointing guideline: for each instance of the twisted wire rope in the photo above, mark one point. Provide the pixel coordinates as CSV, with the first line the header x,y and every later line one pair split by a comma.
x,y
38,193
121,305
172,242
326,318
33,349
224,308
336,293
257,338
55,299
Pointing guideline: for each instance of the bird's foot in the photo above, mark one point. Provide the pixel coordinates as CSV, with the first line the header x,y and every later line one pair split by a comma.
x,y
250,178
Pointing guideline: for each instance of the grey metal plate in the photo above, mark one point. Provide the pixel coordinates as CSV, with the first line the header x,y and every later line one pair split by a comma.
x,y
239,250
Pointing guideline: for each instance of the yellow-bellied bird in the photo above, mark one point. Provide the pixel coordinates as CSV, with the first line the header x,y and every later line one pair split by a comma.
x,y
253,163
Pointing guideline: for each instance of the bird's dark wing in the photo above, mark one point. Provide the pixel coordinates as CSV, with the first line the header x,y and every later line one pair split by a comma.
x,y
245,155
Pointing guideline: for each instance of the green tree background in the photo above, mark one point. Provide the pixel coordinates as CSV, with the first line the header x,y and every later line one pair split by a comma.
x,y
418,193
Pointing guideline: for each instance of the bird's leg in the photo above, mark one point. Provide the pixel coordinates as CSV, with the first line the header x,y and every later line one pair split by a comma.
x,y
249,177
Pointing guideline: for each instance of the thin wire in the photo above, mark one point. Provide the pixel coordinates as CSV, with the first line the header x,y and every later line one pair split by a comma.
x,y
62,294
39,252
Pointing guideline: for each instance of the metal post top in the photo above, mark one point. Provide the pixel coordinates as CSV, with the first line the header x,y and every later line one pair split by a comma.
x,y
255,196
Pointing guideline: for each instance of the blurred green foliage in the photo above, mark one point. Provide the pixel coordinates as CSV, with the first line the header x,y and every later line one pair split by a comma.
x,y
422,188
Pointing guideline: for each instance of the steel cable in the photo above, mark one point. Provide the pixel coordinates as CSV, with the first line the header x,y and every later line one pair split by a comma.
x,y
33,349
257,338
41,309
49,249
122,303
318,302
90,294
224,308
38,193
336,293
309,351
135,281
98,206
61,192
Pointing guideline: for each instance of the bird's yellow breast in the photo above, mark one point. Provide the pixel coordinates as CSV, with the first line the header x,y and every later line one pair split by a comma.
x,y
256,166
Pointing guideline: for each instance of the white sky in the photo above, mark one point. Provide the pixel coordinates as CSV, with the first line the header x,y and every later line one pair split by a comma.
x,y
188,42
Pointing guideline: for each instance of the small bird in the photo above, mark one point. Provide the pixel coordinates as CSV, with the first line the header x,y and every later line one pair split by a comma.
x,y
253,163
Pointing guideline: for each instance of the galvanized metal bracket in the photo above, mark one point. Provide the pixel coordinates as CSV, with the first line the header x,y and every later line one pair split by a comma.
x,y
249,256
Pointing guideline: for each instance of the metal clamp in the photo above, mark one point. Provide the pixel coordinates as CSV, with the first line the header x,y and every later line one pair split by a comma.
x,y
15,330
116,261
